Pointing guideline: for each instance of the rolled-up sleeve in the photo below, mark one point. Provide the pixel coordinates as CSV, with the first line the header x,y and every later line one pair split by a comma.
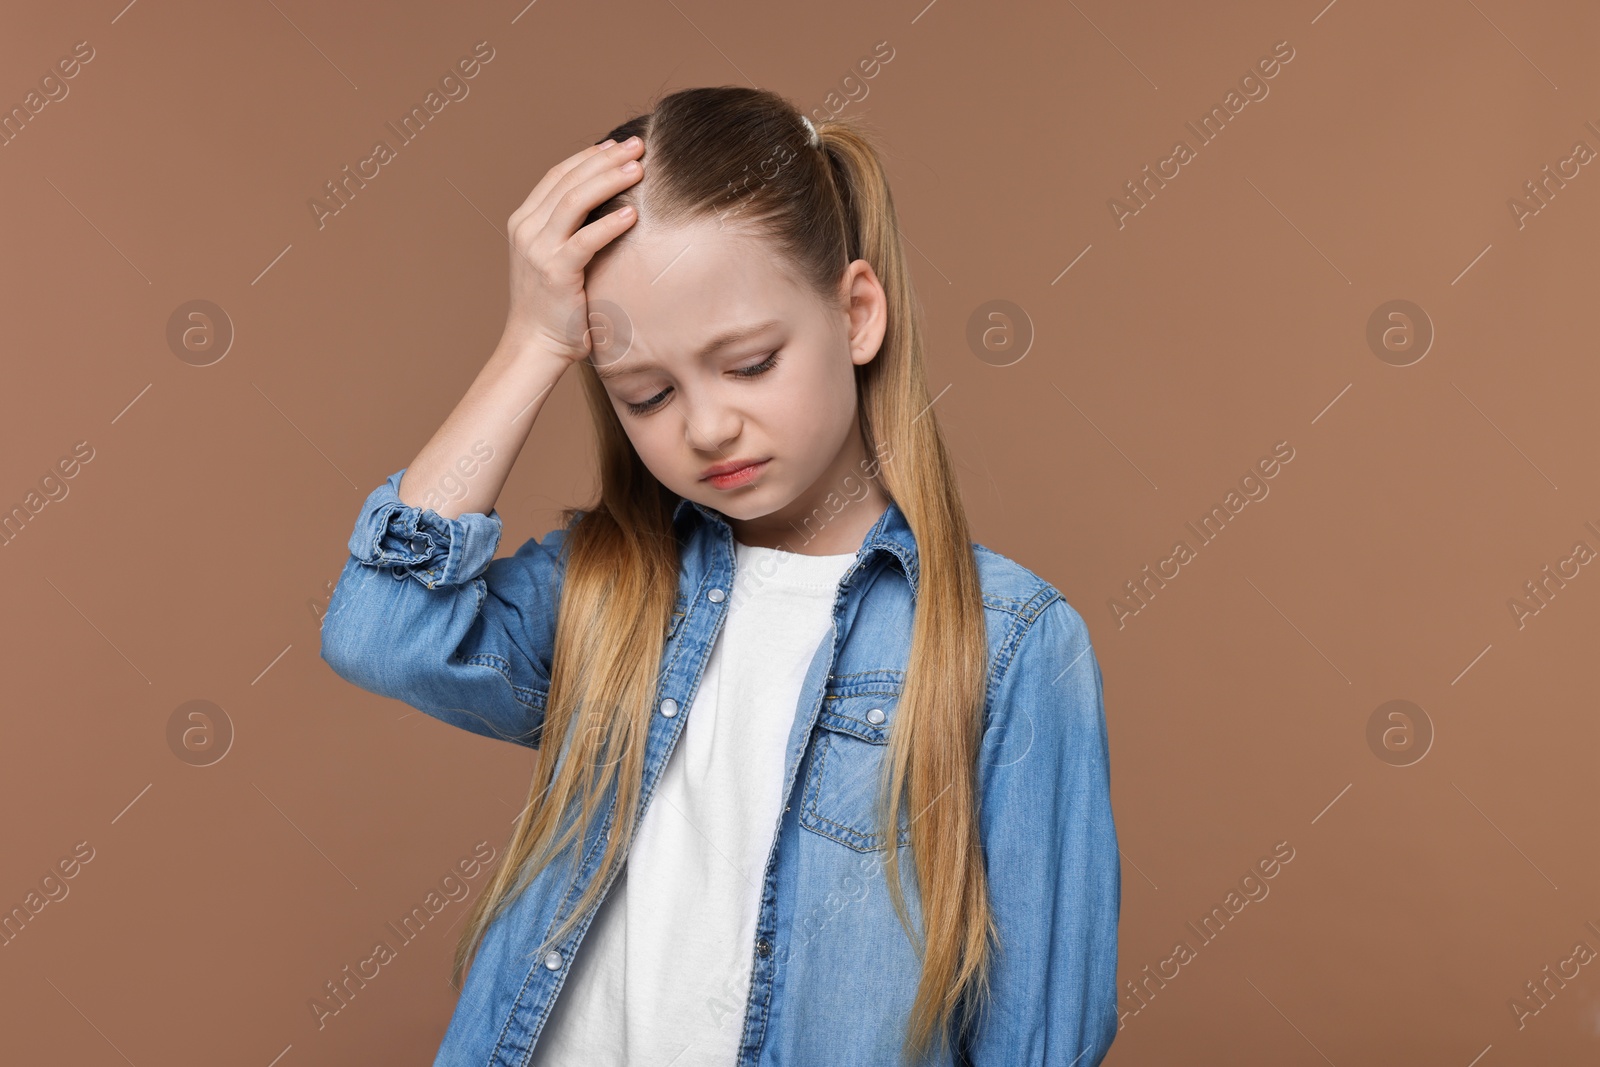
x,y
1050,849
425,614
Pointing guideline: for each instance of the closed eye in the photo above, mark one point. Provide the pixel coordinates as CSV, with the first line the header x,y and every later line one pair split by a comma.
x,y
760,368
755,371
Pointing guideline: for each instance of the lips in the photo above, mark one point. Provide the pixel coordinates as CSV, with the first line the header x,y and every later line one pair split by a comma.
x,y
738,477
728,468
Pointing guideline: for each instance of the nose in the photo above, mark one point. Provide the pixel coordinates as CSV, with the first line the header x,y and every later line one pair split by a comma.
x,y
710,425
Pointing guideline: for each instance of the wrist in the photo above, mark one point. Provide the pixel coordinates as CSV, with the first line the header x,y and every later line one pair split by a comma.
x,y
521,352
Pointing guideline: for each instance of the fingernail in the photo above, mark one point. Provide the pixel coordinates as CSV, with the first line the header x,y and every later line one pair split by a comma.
x,y
608,142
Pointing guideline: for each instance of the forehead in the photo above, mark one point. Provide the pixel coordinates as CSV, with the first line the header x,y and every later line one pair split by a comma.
x,y
666,292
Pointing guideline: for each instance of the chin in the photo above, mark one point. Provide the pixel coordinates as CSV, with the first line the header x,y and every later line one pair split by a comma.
x,y
752,504
742,509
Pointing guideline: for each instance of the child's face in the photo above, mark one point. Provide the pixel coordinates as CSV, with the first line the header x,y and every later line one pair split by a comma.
x,y
661,298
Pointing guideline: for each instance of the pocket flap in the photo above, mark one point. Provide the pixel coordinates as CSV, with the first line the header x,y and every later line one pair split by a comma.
x,y
861,704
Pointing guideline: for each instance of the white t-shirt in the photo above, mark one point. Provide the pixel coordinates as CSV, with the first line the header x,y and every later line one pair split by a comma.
x,y
664,971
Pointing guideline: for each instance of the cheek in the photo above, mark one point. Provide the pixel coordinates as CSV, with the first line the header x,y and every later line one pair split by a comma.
x,y
827,407
789,419
639,432
648,437
816,404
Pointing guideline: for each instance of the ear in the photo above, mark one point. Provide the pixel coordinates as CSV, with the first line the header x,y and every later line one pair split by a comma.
x,y
868,308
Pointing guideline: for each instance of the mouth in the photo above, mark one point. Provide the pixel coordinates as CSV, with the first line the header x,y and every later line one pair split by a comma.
x,y
732,475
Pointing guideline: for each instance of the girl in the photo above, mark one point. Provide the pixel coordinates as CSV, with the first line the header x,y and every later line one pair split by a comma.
x,y
820,781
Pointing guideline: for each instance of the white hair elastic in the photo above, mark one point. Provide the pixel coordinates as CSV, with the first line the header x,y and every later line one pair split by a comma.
x,y
816,138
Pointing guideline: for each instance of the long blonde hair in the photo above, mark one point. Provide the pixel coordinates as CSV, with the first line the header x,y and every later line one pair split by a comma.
x,y
821,209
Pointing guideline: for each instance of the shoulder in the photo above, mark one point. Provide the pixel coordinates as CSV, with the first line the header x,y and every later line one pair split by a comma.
x,y
1044,723
1032,626
1009,588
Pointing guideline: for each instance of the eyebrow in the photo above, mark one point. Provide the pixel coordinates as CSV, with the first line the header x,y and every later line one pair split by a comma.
x,y
726,338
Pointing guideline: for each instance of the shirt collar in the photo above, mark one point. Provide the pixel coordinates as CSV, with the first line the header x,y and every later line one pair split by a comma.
x,y
891,534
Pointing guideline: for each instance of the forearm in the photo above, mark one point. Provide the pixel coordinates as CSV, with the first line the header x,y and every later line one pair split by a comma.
x,y
464,466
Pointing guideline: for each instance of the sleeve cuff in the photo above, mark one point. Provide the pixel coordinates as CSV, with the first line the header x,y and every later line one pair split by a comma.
x,y
421,543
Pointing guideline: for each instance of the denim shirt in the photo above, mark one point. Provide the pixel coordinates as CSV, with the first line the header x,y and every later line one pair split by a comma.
x,y
423,613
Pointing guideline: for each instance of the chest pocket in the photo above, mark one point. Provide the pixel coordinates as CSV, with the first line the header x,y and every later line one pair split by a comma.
x,y
848,755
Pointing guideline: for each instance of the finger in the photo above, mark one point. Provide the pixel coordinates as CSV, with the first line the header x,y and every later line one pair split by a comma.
x,y
553,176
570,208
573,178
574,254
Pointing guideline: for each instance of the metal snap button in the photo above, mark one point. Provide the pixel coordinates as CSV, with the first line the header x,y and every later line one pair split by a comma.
x,y
669,707
716,596
875,716
419,544
552,960
763,948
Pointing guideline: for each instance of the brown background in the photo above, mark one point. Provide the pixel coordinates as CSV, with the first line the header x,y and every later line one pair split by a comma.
x,y
190,559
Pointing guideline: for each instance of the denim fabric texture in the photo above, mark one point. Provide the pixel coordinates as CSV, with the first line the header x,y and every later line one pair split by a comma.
x,y
425,614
